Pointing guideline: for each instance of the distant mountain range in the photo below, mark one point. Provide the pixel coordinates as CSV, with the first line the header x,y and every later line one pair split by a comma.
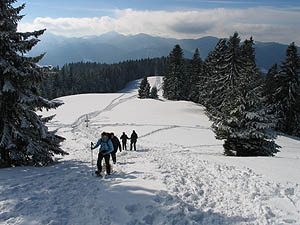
x,y
114,47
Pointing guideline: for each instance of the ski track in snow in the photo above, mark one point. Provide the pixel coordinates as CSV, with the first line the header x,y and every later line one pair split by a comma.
x,y
159,184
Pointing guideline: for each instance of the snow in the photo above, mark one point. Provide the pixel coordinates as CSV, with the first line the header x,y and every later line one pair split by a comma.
x,y
177,176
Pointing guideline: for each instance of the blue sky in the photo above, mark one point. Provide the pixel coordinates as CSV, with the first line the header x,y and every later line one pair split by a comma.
x,y
98,8
266,20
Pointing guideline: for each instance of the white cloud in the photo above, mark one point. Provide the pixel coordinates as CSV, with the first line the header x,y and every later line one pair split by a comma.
x,y
264,24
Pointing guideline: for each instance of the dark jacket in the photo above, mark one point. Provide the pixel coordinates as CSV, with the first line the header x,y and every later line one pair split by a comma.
x,y
134,137
124,138
116,143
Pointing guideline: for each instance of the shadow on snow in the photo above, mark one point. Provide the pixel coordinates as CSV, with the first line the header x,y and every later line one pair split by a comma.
x,y
67,193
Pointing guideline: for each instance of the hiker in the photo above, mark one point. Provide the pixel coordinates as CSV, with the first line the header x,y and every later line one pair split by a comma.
x,y
106,147
124,139
133,139
116,144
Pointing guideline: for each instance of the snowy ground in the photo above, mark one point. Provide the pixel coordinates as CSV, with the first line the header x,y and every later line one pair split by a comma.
x,y
177,176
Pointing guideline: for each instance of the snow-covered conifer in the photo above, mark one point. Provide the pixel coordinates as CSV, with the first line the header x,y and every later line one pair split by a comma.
x,y
270,83
153,93
208,88
24,138
241,119
144,90
175,75
195,77
287,96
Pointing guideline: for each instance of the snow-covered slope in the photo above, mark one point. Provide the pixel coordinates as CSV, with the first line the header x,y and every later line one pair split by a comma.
x,y
177,176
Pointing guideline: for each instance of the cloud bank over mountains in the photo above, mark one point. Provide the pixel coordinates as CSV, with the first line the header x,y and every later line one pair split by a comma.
x,y
263,23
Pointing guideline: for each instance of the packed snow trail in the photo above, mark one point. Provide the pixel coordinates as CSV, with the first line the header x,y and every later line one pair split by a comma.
x,y
177,176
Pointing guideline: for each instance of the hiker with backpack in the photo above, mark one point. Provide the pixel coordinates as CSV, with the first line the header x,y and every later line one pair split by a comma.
x,y
105,149
117,145
124,139
133,140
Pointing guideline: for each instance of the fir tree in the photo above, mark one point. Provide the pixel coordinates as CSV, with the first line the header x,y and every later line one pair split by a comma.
x,y
248,52
246,126
24,138
241,119
173,85
209,88
270,85
153,93
227,70
287,96
144,90
195,77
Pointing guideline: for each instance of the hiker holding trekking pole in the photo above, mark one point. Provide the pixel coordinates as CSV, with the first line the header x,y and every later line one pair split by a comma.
x,y
105,149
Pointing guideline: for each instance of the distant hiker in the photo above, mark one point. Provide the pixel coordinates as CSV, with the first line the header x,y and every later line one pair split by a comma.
x,y
133,139
117,145
124,139
106,147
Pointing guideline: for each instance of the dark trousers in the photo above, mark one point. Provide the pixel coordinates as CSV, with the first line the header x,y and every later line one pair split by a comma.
x,y
124,145
134,145
114,157
99,162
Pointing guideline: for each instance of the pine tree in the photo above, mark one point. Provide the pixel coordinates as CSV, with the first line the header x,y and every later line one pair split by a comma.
x,y
248,52
209,88
270,81
24,138
241,119
153,93
247,128
227,69
270,85
173,84
144,90
287,96
195,77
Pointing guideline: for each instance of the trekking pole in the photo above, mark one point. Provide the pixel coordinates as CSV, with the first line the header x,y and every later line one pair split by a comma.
x,y
92,158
